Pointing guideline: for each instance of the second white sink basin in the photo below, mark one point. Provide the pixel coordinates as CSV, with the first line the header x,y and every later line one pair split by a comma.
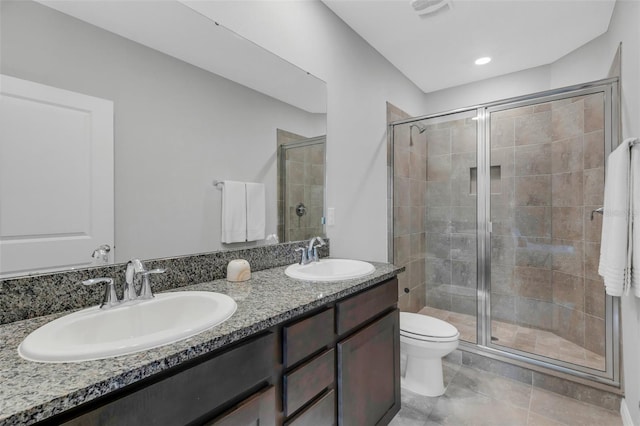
x,y
95,333
330,270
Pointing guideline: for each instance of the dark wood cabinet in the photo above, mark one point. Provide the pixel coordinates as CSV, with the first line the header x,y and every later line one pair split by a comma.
x,y
366,382
369,373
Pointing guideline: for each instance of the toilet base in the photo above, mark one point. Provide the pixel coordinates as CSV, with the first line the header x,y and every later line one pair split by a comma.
x,y
424,376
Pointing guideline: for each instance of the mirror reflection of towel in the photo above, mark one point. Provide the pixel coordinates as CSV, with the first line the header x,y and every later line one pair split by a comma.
x,y
234,212
256,216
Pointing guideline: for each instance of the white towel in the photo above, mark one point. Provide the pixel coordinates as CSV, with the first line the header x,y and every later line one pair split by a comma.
x,y
234,212
256,211
615,259
635,218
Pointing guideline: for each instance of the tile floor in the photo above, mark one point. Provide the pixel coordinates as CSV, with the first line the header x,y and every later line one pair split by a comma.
x,y
525,339
478,398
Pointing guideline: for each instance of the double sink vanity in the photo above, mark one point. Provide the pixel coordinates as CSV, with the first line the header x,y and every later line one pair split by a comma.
x,y
284,351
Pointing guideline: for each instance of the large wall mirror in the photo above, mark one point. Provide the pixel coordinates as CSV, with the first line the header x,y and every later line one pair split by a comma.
x,y
193,103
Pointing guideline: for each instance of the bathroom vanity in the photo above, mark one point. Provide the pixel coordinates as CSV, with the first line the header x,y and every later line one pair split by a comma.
x,y
295,353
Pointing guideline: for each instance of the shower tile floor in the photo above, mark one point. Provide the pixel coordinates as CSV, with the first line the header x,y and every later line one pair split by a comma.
x,y
478,398
525,339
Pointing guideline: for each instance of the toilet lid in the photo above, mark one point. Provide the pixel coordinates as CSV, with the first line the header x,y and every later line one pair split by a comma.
x,y
425,327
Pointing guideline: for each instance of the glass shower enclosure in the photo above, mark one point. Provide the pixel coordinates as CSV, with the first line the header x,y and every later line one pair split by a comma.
x,y
495,218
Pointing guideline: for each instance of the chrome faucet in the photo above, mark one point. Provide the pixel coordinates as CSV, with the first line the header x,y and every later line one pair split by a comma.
x,y
129,293
310,254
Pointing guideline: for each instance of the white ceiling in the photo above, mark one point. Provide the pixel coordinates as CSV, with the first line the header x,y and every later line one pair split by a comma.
x,y
436,52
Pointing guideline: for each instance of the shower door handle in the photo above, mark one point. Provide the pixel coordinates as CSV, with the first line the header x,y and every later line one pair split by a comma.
x,y
490,227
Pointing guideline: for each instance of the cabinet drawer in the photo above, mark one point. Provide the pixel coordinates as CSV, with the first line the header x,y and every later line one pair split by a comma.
x,y
358,309
258,409
307,336
305,382
190,394
320,413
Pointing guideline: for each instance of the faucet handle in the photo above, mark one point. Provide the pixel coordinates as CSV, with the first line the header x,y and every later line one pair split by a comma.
x,y
313,248
145,291
314,256
304,256
110,298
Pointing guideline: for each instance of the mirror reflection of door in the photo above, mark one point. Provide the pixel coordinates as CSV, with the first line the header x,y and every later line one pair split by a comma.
x,y
301,182
56,177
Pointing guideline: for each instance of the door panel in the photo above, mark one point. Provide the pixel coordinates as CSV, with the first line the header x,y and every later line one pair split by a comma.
x,y
546,296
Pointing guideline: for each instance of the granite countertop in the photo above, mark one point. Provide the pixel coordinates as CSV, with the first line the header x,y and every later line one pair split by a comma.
x,y
32,391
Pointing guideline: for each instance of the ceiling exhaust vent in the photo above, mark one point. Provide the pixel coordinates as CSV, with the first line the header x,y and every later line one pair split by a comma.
x,y
430,7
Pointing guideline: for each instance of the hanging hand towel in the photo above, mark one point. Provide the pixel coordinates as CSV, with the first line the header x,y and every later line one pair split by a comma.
x,y
614,250
635,218
234,212
256,211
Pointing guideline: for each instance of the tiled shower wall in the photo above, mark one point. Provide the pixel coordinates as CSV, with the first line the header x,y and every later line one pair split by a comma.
x,y
545,247
409,204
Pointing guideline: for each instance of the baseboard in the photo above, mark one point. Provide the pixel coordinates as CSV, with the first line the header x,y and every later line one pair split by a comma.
x,y
624,412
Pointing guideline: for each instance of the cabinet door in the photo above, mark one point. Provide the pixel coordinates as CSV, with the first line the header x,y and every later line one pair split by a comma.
x,y
258,409
369,373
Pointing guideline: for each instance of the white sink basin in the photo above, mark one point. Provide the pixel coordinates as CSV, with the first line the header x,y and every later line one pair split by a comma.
x,y
330,270
96,333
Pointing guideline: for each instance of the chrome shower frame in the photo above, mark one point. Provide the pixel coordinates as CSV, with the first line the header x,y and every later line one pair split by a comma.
x,y
610,376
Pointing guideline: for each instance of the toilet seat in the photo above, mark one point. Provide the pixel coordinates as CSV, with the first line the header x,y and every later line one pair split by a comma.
x,y
426,328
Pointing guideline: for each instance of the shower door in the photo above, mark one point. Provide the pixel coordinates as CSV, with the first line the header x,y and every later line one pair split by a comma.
x,y
435,209
545,299
500,234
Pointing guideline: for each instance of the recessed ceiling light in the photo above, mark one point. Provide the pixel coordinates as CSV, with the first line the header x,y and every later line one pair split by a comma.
x,y
483,61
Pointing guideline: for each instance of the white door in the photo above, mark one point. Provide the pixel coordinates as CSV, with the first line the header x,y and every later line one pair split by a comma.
x,y
56,177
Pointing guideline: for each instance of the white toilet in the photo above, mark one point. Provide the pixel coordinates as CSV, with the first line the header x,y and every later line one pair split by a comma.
x,y
424,341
